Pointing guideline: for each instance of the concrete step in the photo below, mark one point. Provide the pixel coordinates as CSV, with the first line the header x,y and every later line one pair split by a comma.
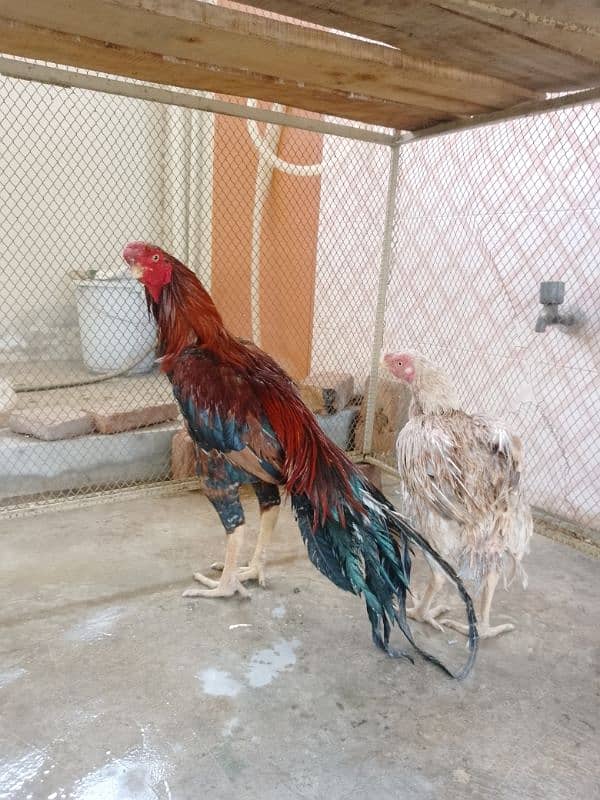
x,y
29,466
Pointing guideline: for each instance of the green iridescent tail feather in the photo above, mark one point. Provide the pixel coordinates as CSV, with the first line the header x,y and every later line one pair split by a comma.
x,y
369,555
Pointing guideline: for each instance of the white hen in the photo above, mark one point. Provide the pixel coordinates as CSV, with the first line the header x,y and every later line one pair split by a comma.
x,y
462,484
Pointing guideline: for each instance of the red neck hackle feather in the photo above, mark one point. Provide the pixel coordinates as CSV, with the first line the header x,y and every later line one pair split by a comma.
x,y
187,316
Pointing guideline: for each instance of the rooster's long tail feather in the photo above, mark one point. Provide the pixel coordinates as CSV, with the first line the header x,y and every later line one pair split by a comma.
x,y
368,554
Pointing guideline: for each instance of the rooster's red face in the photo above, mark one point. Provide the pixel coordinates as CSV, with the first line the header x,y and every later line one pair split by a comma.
x,y
150,265
401,366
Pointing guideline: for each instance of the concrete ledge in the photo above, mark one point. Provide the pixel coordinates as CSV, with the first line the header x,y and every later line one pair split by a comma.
x,y
29,466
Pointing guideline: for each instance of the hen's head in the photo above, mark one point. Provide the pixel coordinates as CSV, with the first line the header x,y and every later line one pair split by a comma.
x,y
403,366
150,265
427,382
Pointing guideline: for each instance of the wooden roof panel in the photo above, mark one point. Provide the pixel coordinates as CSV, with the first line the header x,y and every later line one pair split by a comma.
x,y
551,46
445,60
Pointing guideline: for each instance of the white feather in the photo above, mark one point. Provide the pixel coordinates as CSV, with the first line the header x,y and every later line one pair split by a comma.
x,y
462,481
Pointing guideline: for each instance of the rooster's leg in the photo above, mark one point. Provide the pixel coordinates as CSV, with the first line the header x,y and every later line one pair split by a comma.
x,y
422,611
229,582
269,500
484,629
225,498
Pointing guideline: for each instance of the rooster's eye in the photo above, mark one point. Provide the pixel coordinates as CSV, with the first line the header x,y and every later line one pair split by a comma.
x,y
155,257
399,363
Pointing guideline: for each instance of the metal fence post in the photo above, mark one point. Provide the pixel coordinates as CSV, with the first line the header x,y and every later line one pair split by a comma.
x,y
384,279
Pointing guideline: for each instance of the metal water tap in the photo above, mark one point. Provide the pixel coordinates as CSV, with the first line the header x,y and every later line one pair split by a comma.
x,y
552,295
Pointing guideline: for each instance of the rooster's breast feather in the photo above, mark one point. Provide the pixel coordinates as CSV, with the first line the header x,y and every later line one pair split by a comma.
x,y
224,415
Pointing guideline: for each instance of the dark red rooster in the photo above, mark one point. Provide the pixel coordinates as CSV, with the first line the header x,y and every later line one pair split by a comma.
x,y
250,427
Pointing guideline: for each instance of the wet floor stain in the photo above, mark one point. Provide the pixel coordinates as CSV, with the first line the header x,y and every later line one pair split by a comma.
x,y
231,726
11,675
218,683
96,626
135,776
266,665
16,774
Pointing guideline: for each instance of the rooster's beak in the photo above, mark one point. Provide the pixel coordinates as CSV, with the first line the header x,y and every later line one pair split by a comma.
x,y
131,254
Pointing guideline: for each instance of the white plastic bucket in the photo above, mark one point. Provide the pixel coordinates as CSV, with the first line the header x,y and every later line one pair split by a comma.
x,y
113,325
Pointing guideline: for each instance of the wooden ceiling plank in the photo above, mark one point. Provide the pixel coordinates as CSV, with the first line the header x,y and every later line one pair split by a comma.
x,y
90,54
458,32
566,26
229,39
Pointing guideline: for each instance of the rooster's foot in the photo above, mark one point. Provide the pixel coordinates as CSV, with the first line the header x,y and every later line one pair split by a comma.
x,y
226,587
254,571
484,631
428,615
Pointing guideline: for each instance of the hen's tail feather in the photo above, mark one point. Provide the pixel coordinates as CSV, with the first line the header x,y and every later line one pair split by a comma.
x,y
368,554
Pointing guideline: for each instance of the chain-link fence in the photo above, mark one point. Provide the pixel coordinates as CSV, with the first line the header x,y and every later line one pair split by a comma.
x,y
482,218
283,226
287,229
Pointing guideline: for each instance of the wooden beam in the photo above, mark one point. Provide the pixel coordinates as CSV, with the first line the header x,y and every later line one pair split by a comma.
x,y
54,76
201,46
547,46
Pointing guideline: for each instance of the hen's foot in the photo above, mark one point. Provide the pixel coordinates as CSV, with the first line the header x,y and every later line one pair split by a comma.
x,y
428,615
226,587
484,631
254,571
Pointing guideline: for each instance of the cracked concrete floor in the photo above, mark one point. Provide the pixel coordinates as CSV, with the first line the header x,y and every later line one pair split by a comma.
x,y
112,687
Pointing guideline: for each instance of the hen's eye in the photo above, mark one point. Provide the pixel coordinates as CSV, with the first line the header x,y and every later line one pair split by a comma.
x,y
399,363
155,257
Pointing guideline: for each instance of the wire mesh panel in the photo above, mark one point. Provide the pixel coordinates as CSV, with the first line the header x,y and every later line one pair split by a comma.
x,y
482,218
283,226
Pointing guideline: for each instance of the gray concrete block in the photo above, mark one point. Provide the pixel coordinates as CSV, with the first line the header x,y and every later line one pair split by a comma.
x,y
30,466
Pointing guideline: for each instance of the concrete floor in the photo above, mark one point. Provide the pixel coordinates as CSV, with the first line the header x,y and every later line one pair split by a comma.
x,y
112,687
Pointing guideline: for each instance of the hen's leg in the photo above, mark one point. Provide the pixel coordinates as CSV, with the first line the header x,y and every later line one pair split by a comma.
x,y
226,501
269,501
422,611
484,629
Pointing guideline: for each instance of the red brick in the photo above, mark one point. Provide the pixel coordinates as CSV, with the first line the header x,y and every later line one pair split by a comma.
x,y
51,423
183,456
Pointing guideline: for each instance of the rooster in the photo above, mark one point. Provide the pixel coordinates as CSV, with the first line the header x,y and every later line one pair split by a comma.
x,y
462,484
250,426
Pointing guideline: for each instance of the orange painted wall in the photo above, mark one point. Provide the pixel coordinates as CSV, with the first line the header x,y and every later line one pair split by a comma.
x,y
288,243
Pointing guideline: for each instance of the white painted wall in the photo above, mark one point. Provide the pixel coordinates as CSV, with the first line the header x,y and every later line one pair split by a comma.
x,y
353,194
81,174
80,177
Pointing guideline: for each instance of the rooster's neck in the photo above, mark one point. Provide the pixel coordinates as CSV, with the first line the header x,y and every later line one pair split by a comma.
x,y
186,317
